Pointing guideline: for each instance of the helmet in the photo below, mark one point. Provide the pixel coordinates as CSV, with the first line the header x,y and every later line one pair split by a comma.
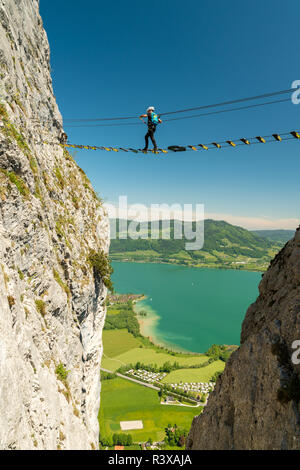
x,y
151,108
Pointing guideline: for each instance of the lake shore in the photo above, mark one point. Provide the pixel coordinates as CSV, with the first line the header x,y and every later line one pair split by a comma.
x,y
198,266
148,327
207,319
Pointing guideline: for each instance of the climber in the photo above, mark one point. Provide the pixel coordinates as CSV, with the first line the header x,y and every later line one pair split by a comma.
x,y
153,120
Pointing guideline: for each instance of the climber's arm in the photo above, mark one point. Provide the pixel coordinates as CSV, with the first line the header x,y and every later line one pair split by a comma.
x,y
143,116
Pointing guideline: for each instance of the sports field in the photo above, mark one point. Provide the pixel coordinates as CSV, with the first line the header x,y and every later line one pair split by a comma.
x,y
126,401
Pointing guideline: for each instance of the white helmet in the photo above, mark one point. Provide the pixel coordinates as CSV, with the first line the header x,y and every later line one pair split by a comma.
x,y
151,108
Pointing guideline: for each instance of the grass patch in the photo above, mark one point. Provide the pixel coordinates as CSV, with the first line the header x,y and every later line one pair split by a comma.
x,y
59,229
62,373
21,275
40,306
18,182
59,177
125,401
11,132
122,347
60,282
203,374
33,165
116,342
151,356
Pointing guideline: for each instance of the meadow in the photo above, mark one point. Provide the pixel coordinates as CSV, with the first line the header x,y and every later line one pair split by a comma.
x,y
203,374
117,342
123,400
122,348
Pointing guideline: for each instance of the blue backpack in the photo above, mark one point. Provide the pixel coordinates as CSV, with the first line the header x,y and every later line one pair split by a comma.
x,y
154,119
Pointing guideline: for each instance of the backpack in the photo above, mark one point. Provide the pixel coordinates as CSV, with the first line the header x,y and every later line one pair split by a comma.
x,y
154,119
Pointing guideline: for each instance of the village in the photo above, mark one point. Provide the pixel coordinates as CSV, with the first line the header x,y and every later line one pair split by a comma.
x,y
157,377
194,387
146,376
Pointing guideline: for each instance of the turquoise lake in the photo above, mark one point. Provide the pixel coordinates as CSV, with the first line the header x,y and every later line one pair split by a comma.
x,y
189,308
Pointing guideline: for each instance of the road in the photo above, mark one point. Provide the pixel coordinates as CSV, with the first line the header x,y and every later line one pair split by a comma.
x,y
153,387
132,379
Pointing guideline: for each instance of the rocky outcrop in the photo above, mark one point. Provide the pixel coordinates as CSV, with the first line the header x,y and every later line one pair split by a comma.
x,y
256,401
54,236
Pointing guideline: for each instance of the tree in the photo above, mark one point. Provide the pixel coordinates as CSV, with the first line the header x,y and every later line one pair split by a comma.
x,y
181,441
172,442
215,376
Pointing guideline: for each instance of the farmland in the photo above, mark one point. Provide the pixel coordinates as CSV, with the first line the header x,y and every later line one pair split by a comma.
x,y
125,401
122,400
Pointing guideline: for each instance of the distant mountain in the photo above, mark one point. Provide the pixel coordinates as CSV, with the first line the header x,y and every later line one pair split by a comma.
x,y
280,236
225,245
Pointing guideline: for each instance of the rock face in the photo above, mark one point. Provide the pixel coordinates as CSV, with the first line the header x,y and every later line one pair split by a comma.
x,y
51,295
256,401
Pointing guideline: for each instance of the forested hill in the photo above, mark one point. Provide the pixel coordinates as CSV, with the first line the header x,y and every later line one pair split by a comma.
x,y
225,245
280,236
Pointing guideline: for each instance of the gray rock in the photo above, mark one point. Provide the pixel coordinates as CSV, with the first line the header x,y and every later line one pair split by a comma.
x,y
51,302
255,404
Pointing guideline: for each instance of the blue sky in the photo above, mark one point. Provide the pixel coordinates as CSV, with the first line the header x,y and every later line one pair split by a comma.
x,y
119,57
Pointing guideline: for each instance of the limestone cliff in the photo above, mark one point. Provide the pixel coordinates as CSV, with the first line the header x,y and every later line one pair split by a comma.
x,y
256,401
54,236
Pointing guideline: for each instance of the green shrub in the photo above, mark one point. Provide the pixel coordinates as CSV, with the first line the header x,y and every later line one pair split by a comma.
x,y
60,177
59,229
40,306
101,265
11,132
216,376
21,275
17,181
33,165
61,372
107,375
219,352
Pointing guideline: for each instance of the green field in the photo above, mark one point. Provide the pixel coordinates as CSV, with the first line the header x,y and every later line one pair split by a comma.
x,y
116,342
151,356
203,374
121,347
126,401
123,400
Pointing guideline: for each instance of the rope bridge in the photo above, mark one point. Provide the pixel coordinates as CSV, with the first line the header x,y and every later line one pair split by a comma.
x,y
195,147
